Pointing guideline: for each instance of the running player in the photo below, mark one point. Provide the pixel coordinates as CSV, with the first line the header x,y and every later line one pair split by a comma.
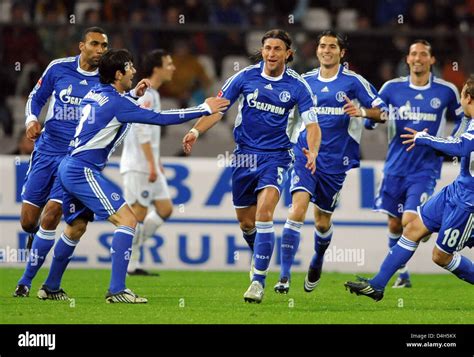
x,y
106,112
66,80
265,133
450,212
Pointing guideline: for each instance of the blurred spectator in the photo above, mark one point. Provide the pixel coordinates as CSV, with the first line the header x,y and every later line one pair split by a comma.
x,y
50,11
453,72
190,81
24,146
115,11
92,17
195,11
388,11
227,12
421,17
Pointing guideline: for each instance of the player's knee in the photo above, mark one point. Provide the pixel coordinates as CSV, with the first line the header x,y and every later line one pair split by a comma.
x,y
323,226
441,258
247,225
166,212
395,226
51,217
297,213
28,225
264,216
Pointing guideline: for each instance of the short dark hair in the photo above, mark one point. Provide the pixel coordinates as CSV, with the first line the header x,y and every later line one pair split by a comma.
x,y
92,29
153,59
111,62
281,35
423,42
469,87
341,39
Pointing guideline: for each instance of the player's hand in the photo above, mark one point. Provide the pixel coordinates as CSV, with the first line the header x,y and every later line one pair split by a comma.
x,y
217,104
33,130
350,108
188,141
153,174
410,137
311,157
142,86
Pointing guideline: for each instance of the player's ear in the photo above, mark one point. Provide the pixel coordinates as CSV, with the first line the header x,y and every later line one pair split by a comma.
x,y
81,46
432,60
118,75
343,53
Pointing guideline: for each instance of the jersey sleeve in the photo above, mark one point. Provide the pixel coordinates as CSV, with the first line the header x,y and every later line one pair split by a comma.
x,y
40,93
367,95
455,111
461,146
128,111
306,104
232,88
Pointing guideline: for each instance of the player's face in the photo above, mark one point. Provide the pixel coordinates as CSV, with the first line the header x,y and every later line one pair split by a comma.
x,y
93,47
419,59
328,52
275,54
167,69
126,79
466,100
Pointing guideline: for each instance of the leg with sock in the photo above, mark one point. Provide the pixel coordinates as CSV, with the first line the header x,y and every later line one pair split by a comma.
x,y
151,223
42,244
403,280
289,246
462,267
249,237
321,243
120,252
136,249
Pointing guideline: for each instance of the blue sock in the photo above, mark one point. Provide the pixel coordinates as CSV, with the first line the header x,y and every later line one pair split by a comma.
x,y
462,267
263,249
249,237
42,244
392,240
321,243
120,251
289,246
398,256
62,255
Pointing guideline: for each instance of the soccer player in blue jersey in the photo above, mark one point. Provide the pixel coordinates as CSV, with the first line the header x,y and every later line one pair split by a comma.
x,y
265,132
106,113
66,81
449,212
340,118
417,101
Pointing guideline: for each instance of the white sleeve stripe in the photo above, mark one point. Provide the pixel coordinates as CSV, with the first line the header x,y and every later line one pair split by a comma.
x,y
449,85
295,75
231,79
364,83
396,80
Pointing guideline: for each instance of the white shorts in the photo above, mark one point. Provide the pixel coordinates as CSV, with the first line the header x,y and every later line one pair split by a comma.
x,y
138,188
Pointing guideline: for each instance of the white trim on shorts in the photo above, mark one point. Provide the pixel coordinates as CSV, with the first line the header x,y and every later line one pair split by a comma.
x,y
57,201
261,188
381,210
30,203
300,188
323,210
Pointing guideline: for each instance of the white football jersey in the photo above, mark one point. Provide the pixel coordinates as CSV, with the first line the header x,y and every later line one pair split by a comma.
x,y
133,158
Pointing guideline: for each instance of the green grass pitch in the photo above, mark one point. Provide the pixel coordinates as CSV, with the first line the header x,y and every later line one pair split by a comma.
x,y
191,297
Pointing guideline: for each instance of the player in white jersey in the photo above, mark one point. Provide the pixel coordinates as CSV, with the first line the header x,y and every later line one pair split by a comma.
x,y
143,177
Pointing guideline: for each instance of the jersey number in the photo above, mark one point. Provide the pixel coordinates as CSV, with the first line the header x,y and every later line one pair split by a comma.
x,y
84,115
450,237
281,171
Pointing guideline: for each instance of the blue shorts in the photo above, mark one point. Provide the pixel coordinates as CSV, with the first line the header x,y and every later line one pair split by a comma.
x,y
403,194
445,215
324,188
87,192
41,180
252,172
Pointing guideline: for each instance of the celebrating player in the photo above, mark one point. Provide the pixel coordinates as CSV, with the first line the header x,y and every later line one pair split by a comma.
x,y
417,101
450,212
68,80
264,133
337,90
143,178
106,112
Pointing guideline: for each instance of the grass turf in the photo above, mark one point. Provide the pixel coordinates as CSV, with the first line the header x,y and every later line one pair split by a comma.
x,y
191,297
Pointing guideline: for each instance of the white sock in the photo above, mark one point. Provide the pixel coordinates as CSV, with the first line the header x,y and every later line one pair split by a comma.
x,y
134,262
151,224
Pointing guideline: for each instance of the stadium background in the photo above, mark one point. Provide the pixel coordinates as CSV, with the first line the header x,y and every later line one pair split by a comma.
x,y
209,41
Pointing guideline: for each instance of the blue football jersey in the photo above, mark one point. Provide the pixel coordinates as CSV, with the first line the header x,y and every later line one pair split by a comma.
x,y
263,122
418,108
339,151
104,123
66,83
462,146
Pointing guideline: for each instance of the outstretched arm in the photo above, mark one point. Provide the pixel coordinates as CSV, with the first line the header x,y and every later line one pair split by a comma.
x,y
460,146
